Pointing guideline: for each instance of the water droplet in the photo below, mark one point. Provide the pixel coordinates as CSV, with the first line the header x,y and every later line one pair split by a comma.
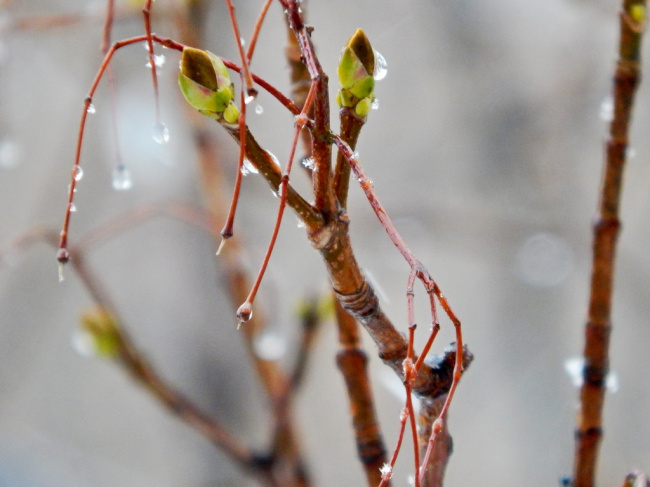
x,y
308,162
301,224
72,207
242,41
249,99
61,276
386,471
381,67
158,60
544,260
83,343
270,346
91,109
11,154
248,168
77,172
145,44
630,152
606,111
275,193
122,179
273,158
375,104
259,109
160,133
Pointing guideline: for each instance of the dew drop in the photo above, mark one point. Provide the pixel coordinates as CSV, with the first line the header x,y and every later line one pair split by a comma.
x,y
301,224
83,343
381,67
160,133
308,162
249,99
158,60
91,109
77,172
375,104
72,207
11,154
61,276
145,44
259,109
242,41
270,346
606,111
122,179
248,168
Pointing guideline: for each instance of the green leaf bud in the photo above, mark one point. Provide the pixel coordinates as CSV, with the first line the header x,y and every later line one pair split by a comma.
x,y
355,71
205,84
363,107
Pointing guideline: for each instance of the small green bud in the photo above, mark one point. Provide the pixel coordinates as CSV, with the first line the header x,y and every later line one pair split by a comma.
x,y
363,107
205,84
355,71
99,335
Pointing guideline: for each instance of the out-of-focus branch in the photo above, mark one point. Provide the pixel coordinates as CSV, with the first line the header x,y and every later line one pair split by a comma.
x,y
353,363
606,228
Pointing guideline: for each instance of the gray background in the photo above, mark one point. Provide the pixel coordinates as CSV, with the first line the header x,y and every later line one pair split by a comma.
x,y
486,151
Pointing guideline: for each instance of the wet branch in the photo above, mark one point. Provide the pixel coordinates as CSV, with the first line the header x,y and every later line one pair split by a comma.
x,y
606,228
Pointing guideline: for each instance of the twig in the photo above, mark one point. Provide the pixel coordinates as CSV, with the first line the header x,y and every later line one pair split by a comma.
x,y
606,228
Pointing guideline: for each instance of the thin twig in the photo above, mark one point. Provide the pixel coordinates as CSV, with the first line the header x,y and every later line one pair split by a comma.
x,y
606,228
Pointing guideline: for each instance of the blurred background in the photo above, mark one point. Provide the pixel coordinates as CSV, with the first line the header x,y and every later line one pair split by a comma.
x,y
486,151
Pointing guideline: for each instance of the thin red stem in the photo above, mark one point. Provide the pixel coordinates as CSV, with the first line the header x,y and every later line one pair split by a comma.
x,y
63,254
250,88
244,311
227,230
256,29
146,12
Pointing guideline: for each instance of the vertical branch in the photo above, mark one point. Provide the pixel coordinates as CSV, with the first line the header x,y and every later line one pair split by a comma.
x,y
321,144
606,228
353,363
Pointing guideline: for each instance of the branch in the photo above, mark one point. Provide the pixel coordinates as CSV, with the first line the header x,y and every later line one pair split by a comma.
x,y
606,227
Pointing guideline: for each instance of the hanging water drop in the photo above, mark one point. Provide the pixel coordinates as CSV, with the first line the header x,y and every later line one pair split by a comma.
x,y
381,67
91,109
248,167
259,109
375,104
72,207
606,111
122,179
11,154
249,99
160,133
77,172
61,276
